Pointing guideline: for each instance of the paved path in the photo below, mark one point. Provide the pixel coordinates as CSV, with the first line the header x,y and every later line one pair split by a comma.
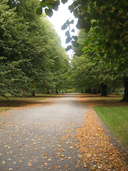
x,y
41,138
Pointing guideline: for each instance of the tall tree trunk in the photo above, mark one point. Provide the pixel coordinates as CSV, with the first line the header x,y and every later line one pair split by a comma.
x,y
99,91
48,91
125,99
104,90
56,91
89,91
94,91
33,93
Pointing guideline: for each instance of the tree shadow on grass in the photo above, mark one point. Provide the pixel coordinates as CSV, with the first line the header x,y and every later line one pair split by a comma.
x,y
98,100
22,103
31,101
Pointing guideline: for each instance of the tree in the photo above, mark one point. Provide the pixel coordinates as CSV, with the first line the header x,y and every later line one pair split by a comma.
x,y
12,76
108,19
91,71
26,41
58,56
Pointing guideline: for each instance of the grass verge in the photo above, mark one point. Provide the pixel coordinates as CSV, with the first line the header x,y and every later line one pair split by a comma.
x,y
4,109
116,119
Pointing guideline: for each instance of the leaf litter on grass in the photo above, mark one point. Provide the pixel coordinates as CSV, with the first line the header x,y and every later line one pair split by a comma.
x,y
95,148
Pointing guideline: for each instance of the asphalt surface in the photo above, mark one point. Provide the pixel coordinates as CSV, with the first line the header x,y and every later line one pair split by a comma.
x,y
41,138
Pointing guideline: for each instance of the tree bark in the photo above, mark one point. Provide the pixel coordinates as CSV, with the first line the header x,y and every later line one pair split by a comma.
x,y
125,99
94,91
99,91
56,91
89,91
104,90
48,91
33,93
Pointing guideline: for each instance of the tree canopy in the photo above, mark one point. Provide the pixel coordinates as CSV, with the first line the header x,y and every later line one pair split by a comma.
x,y
31,55
106,23
31,51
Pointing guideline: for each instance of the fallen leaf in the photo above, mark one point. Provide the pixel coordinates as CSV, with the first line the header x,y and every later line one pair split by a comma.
x,y
95,147
3,162
29,164
79,155
62,155
69,157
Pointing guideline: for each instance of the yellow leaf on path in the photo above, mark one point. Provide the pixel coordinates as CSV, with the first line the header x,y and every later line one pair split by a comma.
x,y
3,162
62,155
79,155
29,164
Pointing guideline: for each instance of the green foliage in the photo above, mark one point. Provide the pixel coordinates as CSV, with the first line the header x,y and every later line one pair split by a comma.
x,y
64,1
66,24
107,38
39,11
49,5
68,39
108,19
75,38
68,47
30,53
90,71
48,12
67,33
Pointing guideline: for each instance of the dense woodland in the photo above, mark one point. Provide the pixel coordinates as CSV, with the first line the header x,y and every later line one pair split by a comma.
x,y
32,59
31,56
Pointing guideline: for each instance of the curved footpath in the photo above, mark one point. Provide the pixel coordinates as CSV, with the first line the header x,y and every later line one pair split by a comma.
x,y
42,138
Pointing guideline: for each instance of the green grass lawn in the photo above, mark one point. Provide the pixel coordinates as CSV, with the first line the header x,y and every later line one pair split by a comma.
x,y
4,109
116,119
